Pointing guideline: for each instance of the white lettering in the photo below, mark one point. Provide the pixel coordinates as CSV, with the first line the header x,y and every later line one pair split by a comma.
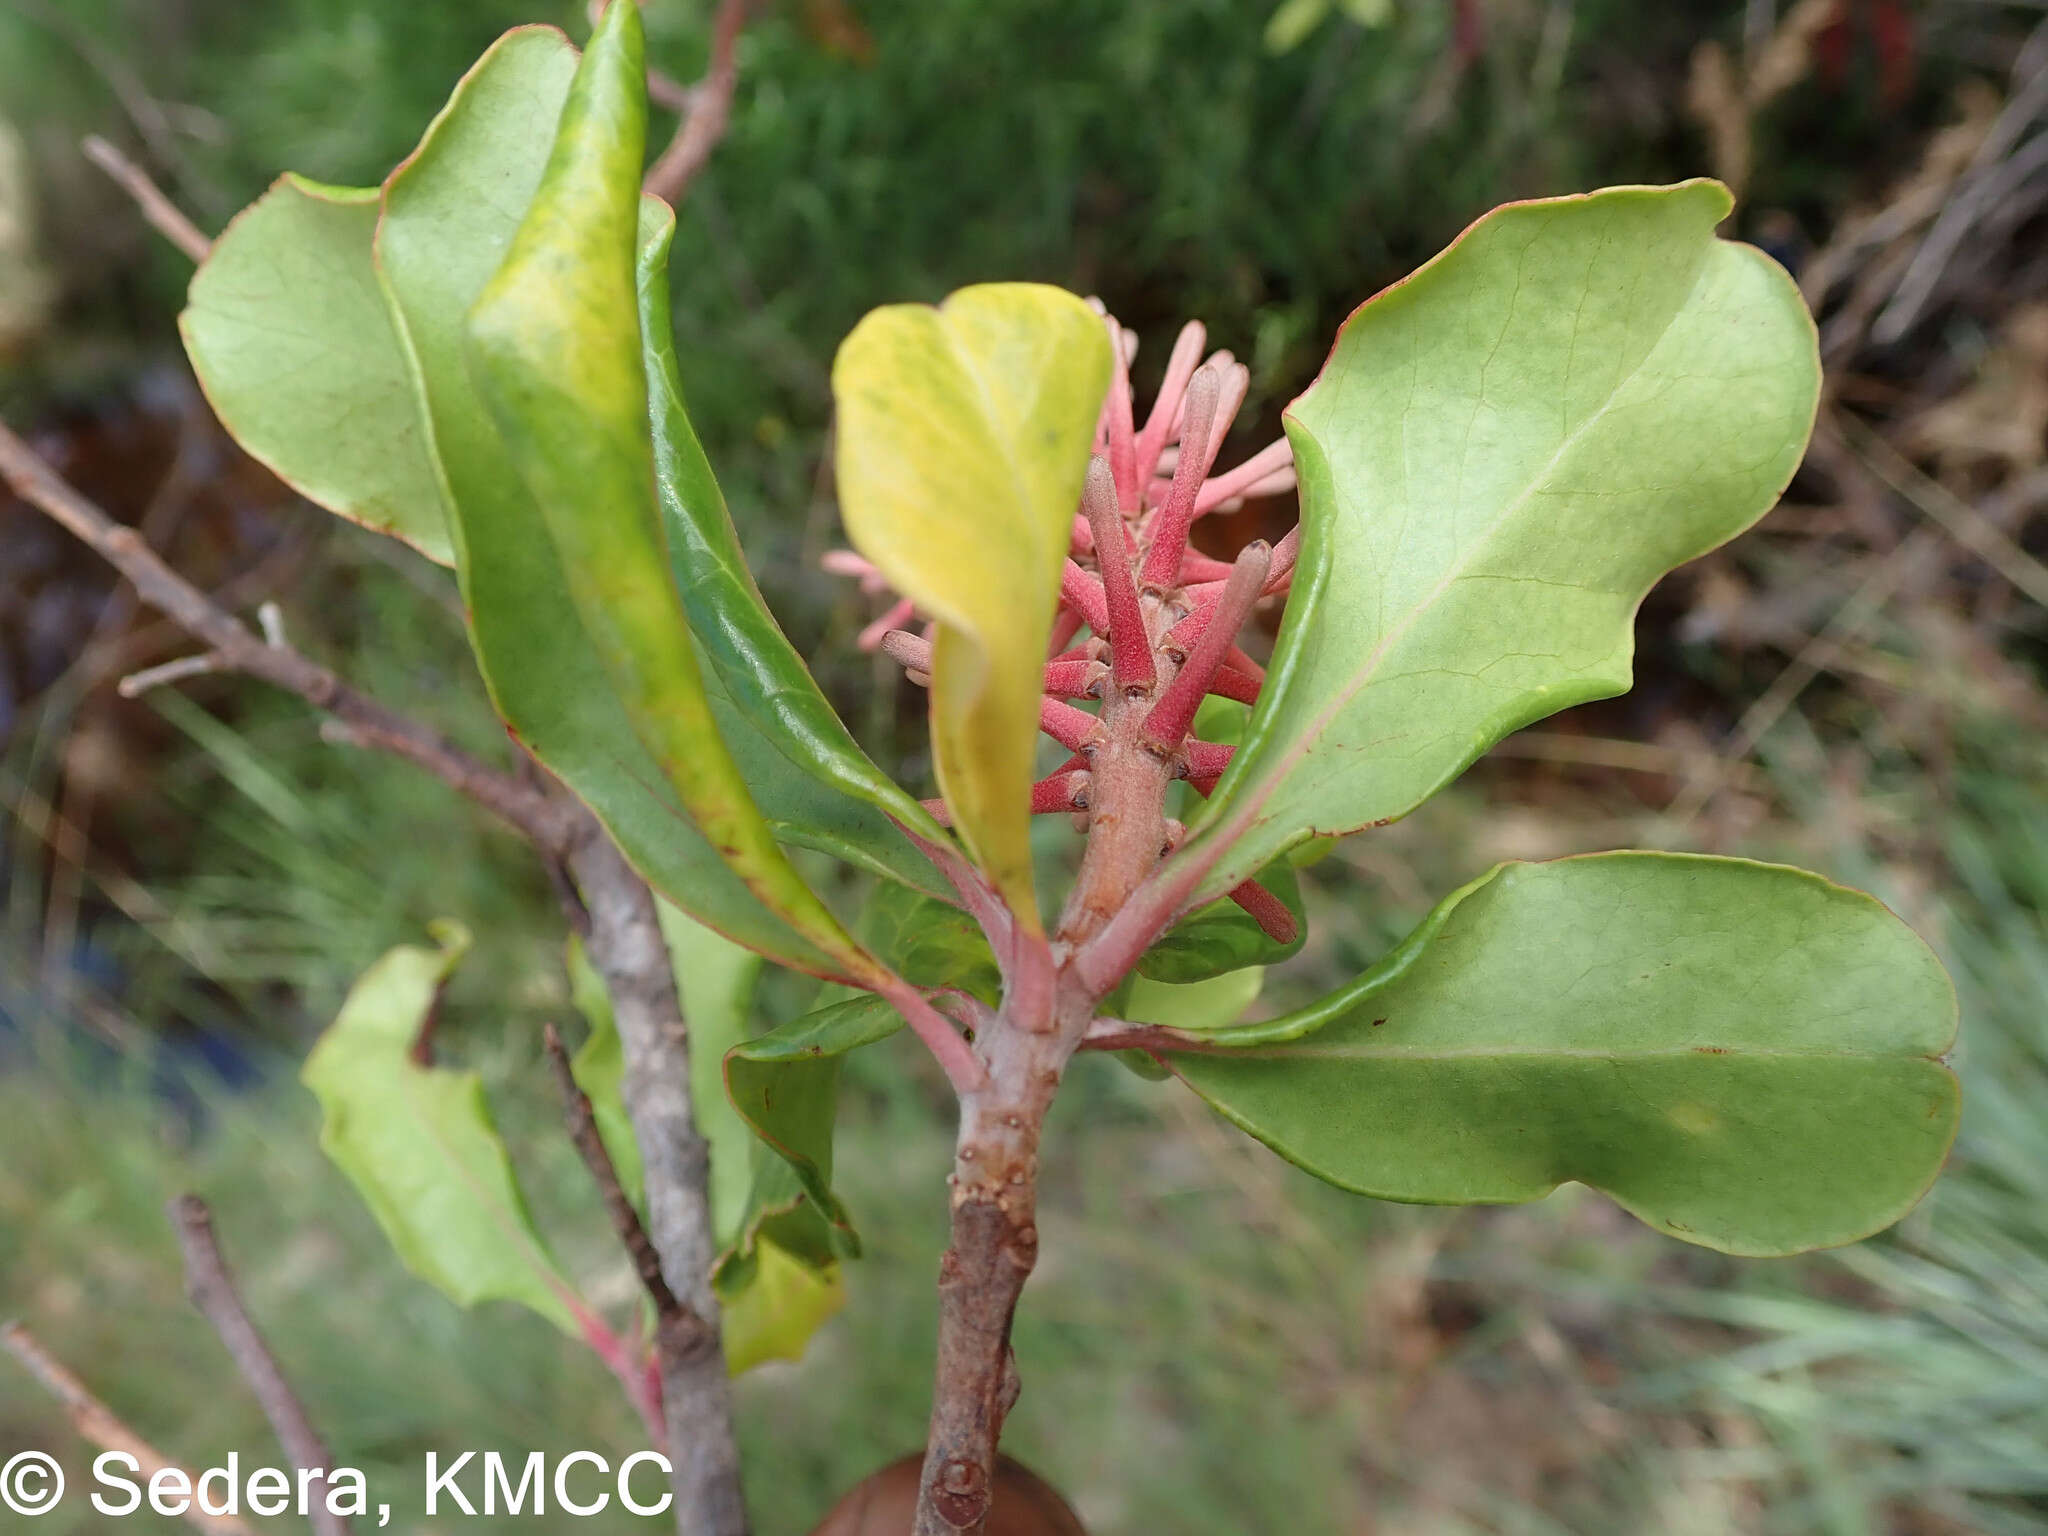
x,y
535,1475
107,1479
568,1506
269,1491
445,1483
229,1474
170,1491
626,1482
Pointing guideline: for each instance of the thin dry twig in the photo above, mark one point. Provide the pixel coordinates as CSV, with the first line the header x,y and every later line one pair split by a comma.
x,y
582,1124
96,1422
211,1288
163,215
544,820
704,120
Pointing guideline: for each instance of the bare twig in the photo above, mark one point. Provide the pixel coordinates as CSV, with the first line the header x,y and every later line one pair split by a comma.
x,y
96,1422
211,1288
205,663
628,951
163,215
543,819
582,1123
704,121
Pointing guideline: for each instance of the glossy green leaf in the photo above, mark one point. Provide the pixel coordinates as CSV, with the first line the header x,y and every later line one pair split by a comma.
x,y
962,441
449,216
1501,456
785,1084
1743,1055
761,671
420,1146
1223,937
554,346
292,342
930,943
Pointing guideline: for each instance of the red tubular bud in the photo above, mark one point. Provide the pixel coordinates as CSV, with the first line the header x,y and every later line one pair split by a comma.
x,y
1175,712
1073,678
1180,367
1123,446
1060,792
1170,523
1065,724
1229,683
1206,762
911,652
1083,593
1267,910
1130,648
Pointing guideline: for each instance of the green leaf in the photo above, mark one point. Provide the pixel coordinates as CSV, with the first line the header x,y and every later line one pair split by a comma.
x,y
554,346
1743,1055
1223,937
1501,456
930,943
421,1148
449,216
1196,1006
784,1303
296,350
785,1084
761,671
963,438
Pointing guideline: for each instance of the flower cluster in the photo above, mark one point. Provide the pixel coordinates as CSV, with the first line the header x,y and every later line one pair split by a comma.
x,y
1141,611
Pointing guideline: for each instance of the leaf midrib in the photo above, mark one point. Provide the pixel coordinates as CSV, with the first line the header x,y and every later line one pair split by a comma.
x,y
1290,1052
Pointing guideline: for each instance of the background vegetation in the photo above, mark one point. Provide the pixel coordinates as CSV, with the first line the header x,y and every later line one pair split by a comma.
x,y
1217,1343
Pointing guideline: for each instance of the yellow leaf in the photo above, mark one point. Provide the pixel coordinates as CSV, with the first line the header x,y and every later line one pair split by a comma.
x,y
964,434
774,1317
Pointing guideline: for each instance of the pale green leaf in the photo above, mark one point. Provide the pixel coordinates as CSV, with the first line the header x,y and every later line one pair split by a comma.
x,y
1501,456
1744,1055
420,1145
291,340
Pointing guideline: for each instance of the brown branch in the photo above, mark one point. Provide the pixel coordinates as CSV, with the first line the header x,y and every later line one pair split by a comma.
x,y
704,122
163,215
365,722
211,1288
96,1422
626,947
582,1124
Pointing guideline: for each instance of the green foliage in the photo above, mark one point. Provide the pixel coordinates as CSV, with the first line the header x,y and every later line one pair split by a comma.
x,y
1744,1055
1502,455
554,350
289,334
419,1143
765,679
